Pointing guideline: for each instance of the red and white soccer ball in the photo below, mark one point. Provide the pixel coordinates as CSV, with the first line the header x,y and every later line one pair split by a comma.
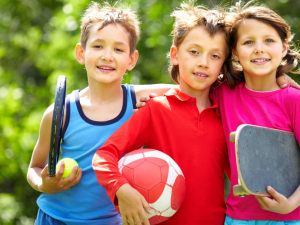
x,y
158,178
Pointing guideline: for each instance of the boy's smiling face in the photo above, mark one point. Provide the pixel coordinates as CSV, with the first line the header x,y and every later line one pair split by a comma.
x,y
200,58
107,53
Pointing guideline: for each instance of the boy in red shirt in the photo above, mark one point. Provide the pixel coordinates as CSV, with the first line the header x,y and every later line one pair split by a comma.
x,y
184,123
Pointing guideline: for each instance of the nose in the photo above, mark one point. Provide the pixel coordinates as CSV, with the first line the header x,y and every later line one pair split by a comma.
x,y
258,48
203,61
106,55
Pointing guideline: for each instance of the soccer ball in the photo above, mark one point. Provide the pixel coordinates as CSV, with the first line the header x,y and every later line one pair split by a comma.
x,y
158,178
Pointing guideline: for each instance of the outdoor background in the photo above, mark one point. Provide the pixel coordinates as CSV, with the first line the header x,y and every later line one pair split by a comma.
x,y
37,39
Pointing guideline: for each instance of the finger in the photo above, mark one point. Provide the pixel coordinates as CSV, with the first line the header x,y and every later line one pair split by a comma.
x,y
44,172
295,84
283,81
130,220
137,220
60,171
274,194
79,175
152,95
146,206
124,220
140,104
261,200
76,177
144,99
144,219
74,172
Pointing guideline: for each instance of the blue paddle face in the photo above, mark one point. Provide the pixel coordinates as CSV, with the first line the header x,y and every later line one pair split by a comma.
x,y
57,122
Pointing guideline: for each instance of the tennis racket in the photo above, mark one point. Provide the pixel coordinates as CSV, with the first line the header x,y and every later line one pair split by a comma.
x,y
57,122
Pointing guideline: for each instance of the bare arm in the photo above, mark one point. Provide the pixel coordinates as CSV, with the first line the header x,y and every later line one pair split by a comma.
x,y
147,90
37,174
279,203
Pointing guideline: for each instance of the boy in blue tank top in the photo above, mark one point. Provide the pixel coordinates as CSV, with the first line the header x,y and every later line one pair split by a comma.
x,y
107,49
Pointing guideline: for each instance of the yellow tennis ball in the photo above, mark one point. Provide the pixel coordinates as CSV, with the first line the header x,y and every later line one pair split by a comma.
x,y
69,165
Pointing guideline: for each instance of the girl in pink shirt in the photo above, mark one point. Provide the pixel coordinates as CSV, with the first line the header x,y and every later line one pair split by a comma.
x,y
261,52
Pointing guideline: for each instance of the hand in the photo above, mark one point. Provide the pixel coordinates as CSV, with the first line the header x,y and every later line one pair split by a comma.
x,y
277,203
58,183
143,100
133,206
285,80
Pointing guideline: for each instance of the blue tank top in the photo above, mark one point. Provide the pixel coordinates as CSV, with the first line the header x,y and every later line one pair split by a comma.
x,y
87,202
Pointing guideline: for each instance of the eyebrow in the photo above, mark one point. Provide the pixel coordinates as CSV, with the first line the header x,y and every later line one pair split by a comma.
x,y
102,40
213,49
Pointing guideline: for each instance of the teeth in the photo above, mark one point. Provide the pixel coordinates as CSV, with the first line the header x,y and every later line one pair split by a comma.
x,y
201,74
260,60
105,68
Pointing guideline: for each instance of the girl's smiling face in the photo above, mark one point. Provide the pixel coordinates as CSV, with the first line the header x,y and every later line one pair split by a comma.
x,y
259,49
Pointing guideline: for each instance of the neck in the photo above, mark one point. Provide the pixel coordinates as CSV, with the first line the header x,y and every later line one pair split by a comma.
x,y
201,96
261,83
99,93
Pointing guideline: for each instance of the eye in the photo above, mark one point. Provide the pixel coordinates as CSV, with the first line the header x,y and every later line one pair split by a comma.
x,y
119,50
269,40
194,52
97,46
248,42
215,56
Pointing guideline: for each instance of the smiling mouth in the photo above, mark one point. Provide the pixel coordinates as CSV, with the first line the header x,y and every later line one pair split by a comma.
x,y
199,74
106,68
260,60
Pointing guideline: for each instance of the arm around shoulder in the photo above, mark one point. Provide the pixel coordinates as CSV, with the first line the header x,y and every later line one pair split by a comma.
x,y
152,89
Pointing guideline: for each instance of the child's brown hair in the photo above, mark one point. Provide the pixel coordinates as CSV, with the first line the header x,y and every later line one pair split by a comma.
x,y
189,16
107,14
269,17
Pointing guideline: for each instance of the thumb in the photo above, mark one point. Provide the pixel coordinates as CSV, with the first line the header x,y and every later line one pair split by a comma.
x,y
274,194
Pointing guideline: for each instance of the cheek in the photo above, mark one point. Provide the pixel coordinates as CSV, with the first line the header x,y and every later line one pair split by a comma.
x,y
217,66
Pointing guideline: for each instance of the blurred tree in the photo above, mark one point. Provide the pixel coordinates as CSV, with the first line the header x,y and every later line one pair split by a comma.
x,y
37,40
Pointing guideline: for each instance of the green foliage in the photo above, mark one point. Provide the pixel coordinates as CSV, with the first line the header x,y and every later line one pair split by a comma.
x,y
37,40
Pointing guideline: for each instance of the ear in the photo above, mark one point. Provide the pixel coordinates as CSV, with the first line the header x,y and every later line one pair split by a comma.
x,y
173,55
133,59
285,49
79,53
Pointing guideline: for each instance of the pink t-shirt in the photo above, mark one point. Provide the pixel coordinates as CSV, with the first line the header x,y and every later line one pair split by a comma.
x,y
278,109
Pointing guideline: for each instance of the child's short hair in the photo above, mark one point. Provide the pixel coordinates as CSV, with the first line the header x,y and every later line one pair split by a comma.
x,y
189,16
106,14
271,18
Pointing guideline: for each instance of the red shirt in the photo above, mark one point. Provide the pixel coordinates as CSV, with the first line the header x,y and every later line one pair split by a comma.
x,y
173,124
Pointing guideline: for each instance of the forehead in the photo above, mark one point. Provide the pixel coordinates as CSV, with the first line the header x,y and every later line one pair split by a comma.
x,y
255,27
113,31
200,36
